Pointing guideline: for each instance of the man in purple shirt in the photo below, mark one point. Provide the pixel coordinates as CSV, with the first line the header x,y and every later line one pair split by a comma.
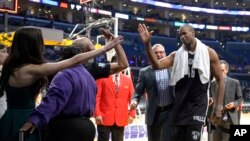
x,y
103,70
68,105
61,108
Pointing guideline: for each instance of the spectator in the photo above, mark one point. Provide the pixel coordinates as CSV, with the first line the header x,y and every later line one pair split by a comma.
x,y
68,105
112,101
160,98
232,100
23,76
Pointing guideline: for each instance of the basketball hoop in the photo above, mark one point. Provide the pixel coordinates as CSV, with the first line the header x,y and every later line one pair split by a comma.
x,y
9,6
85,1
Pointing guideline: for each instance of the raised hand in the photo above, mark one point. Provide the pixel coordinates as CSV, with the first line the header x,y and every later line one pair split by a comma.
x,y
28,126
106,33
112,43
144,33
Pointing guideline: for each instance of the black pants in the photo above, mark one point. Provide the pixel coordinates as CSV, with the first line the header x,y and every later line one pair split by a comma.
x,y
117,133
71,129
186,132
161,128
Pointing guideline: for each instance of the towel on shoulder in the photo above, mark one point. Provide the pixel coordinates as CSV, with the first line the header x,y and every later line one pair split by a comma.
x,y
201,62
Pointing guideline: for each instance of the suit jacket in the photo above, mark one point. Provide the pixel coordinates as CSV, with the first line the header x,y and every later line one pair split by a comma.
x,y
112,106
147,81
3,105
233,93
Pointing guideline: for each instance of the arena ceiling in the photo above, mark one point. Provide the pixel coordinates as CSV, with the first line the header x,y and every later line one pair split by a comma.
x,y
226,4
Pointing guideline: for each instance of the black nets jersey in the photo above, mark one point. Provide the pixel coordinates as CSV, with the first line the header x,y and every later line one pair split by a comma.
x,y
191,98
98,70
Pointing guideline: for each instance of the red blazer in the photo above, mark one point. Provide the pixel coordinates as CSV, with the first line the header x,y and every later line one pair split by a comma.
x,y
112,106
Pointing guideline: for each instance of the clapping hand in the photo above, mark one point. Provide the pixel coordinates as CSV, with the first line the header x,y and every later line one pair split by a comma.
x,y
106,33
113,41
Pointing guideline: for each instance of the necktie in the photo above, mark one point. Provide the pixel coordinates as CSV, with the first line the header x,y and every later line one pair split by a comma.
x,y
116,83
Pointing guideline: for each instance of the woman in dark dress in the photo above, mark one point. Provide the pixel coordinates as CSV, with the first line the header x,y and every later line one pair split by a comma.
x,y
23,76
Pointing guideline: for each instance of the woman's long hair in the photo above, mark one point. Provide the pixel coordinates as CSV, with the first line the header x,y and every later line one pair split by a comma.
x,y
27,48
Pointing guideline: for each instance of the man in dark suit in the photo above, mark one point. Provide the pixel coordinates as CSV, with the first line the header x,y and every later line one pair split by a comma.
x,y
232,99
3,56
159,98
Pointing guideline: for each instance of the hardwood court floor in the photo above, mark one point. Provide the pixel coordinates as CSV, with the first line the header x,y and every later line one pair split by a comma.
x,y
137,130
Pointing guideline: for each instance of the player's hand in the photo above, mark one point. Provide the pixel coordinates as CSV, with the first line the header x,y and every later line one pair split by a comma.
x,y
112,43
106,33
217,116
144,33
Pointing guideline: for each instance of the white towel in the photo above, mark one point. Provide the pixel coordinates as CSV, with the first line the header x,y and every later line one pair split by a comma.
x,y
201,62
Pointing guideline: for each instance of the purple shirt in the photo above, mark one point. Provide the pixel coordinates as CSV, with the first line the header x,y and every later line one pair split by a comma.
x,y
72,92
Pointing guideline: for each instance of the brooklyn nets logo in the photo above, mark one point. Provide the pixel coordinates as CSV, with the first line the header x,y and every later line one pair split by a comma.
x,y
196,135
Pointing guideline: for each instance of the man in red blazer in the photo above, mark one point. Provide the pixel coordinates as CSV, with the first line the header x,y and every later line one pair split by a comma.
x,y
112,102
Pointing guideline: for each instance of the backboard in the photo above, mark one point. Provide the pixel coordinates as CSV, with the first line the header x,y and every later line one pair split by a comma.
x,y
9,6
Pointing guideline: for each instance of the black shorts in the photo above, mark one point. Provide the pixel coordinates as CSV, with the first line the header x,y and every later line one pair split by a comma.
x,y
186,132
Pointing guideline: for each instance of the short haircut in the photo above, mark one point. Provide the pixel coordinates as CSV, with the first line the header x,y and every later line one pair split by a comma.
x,y
158,45
81,42
226,63
189,27
68,52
